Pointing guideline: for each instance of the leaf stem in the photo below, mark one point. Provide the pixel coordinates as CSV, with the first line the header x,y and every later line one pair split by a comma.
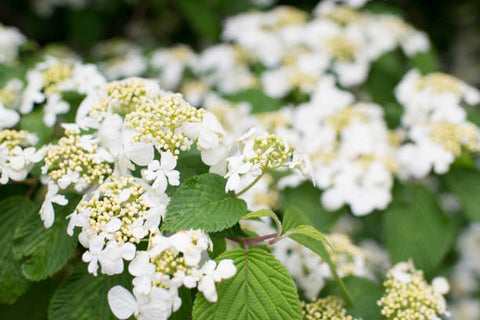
x,y
251,184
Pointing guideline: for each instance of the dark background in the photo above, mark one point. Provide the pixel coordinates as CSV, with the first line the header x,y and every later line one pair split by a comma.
x,y
453,25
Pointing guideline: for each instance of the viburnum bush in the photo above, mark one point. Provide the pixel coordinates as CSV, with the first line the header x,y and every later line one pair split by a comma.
x,y
309,166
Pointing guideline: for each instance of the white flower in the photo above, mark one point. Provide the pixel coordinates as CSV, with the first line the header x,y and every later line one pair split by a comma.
x,y
158,305
46,211
162,173
110,257
8,118
33,92
72,177
236,166
55,105
225,269
192,250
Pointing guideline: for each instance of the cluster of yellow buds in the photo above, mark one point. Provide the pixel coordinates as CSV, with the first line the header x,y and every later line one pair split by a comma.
x,y
74,155
160,122
14,138
439,82
170,263
7,96
121,200
342,49
122,97
409,297
457,137
270,152
329,308
54,75
345,117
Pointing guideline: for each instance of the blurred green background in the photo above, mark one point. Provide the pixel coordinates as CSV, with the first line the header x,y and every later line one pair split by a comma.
x,y
453,25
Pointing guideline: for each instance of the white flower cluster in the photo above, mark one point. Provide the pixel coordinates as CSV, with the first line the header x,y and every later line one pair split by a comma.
x,y
17,154
109,156
328,308
351,150
52,77
408,296
170,262
10,41
435,122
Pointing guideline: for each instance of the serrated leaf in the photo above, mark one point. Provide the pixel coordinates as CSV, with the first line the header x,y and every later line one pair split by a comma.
x,y
416,228
262,289
293,218
265,213
13,283
82,296
308,231
44,251
466,185
258,100
307,198
201,203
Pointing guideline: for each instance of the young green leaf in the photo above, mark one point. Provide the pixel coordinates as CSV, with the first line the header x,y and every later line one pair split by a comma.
x,y
265,213
262,289
201,203
13,282
416,228
81,296
44,251
293,218
466,185
308,231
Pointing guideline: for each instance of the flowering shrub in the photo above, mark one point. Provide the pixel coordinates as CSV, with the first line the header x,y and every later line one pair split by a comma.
x,y
309,166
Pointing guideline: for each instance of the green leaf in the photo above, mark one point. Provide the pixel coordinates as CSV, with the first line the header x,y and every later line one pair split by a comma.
x,y
13,283
190,164
384,76
365,295
33,304
265,213
416,228
293,218
33,122
466,185
258,100
261,289
201,203
309,231
426,62
185,311
82,296
44,251
307,198
219,246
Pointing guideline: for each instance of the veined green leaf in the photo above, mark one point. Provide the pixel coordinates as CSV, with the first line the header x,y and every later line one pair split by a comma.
x,y
201,203
262,289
